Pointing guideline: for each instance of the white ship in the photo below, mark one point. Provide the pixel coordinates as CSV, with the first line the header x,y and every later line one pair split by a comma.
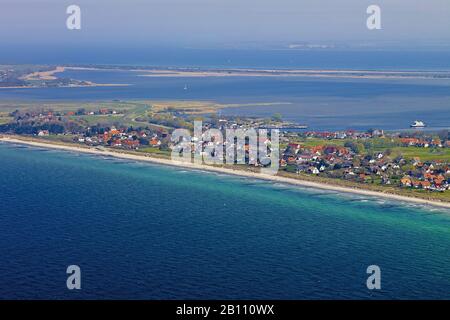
x,y
418,124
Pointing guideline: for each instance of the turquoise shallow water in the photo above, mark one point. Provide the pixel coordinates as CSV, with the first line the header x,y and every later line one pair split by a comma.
x,y
146,231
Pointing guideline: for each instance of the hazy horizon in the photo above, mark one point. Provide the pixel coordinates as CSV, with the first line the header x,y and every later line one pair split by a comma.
x,y
171,32
259,24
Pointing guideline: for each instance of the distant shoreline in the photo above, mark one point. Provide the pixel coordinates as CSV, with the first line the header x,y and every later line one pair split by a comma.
x,y
247,72
49,75
43,75
92,85
236,172
192,72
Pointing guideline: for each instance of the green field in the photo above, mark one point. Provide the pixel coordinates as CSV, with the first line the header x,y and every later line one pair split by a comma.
x,y
5,119
134,113
312,142
381,145
425,154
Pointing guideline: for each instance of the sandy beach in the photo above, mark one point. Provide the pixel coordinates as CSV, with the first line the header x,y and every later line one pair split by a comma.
x,y
51,75
91,84
237,172
246,72
44,75
344,74
284,73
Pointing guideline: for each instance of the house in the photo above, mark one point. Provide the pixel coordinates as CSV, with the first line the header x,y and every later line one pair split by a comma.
x,y
114,131
116,143
406,181
409,141
317,150
376,133
43,133
426,184
313,170
291,160
330,150
416,184
155,142
294,146
429,176
439,181
131,143
385,180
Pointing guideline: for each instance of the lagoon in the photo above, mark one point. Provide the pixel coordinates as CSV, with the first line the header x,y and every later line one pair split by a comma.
x,y
322,104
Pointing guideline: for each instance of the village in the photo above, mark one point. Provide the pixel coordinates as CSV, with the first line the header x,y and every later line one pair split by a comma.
x,y
379,168
410,160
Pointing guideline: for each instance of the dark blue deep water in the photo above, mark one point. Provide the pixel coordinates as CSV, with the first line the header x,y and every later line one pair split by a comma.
x,y
143,231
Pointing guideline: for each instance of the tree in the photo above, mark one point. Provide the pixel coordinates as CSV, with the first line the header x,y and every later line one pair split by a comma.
x,y
444,134
351,145
277,117
361,148
80,111
164,146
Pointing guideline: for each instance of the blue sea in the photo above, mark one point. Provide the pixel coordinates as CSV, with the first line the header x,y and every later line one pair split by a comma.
x,y
363,59
322,104
145,231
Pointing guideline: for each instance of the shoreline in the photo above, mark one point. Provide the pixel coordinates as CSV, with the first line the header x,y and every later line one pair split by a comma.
x,y
44,75
49,75
296,72
93,85
229,171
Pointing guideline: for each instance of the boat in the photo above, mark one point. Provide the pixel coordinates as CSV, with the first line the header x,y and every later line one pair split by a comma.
x,y
418,124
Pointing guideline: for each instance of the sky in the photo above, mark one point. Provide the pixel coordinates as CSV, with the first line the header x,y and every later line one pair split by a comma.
x,y
216,23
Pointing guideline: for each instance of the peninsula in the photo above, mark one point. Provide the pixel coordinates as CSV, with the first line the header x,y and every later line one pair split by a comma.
x,y
408,166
